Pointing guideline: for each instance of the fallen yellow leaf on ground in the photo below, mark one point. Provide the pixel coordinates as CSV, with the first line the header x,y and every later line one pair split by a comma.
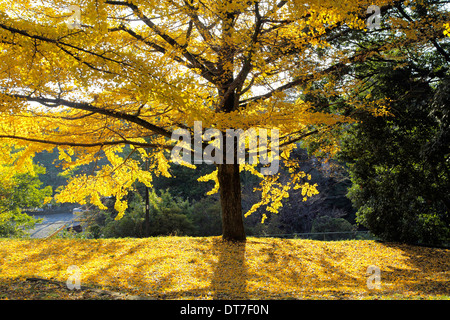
x,y
209,268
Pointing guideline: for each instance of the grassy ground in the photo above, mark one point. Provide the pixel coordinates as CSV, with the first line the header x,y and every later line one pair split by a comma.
x,y
208,268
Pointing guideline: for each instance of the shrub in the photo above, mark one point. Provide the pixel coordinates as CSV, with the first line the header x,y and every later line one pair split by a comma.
x,y
206,217
330,224
14,223
168,215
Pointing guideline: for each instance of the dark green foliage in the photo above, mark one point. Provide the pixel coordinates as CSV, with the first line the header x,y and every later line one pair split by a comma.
x,y
399,164
169,215
331,224
184,182
14,223
25,192
52,176
206,217
56,176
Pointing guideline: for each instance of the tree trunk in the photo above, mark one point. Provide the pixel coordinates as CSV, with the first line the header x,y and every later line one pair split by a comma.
x,y
230,201
228,174
147,214
147,209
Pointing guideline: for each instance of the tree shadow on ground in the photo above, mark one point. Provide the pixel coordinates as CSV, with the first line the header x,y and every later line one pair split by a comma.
x,y
428,270
213,268
230,274
297,275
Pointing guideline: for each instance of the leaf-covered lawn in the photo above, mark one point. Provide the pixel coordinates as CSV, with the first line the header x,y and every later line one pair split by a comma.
x,y
208,268
42,289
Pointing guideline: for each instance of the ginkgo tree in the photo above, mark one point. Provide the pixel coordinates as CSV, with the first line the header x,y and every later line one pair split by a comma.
x,y
94,76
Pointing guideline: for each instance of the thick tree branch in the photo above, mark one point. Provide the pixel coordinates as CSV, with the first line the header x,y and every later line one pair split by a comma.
x,y
238,82
201,28
58,43
302,136
91,108
207,68
299,81
153,45
87,145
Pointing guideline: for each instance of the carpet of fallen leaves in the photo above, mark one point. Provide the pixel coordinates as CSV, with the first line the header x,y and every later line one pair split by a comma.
x,y
209,268
43,289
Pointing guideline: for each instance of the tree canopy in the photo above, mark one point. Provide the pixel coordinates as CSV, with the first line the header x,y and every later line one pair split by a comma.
x,y
133,72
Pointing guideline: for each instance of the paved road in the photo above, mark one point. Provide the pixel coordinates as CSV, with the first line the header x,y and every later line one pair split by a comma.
x,y
51,223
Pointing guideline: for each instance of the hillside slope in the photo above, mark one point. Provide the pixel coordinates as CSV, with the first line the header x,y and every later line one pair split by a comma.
x,y
208,268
